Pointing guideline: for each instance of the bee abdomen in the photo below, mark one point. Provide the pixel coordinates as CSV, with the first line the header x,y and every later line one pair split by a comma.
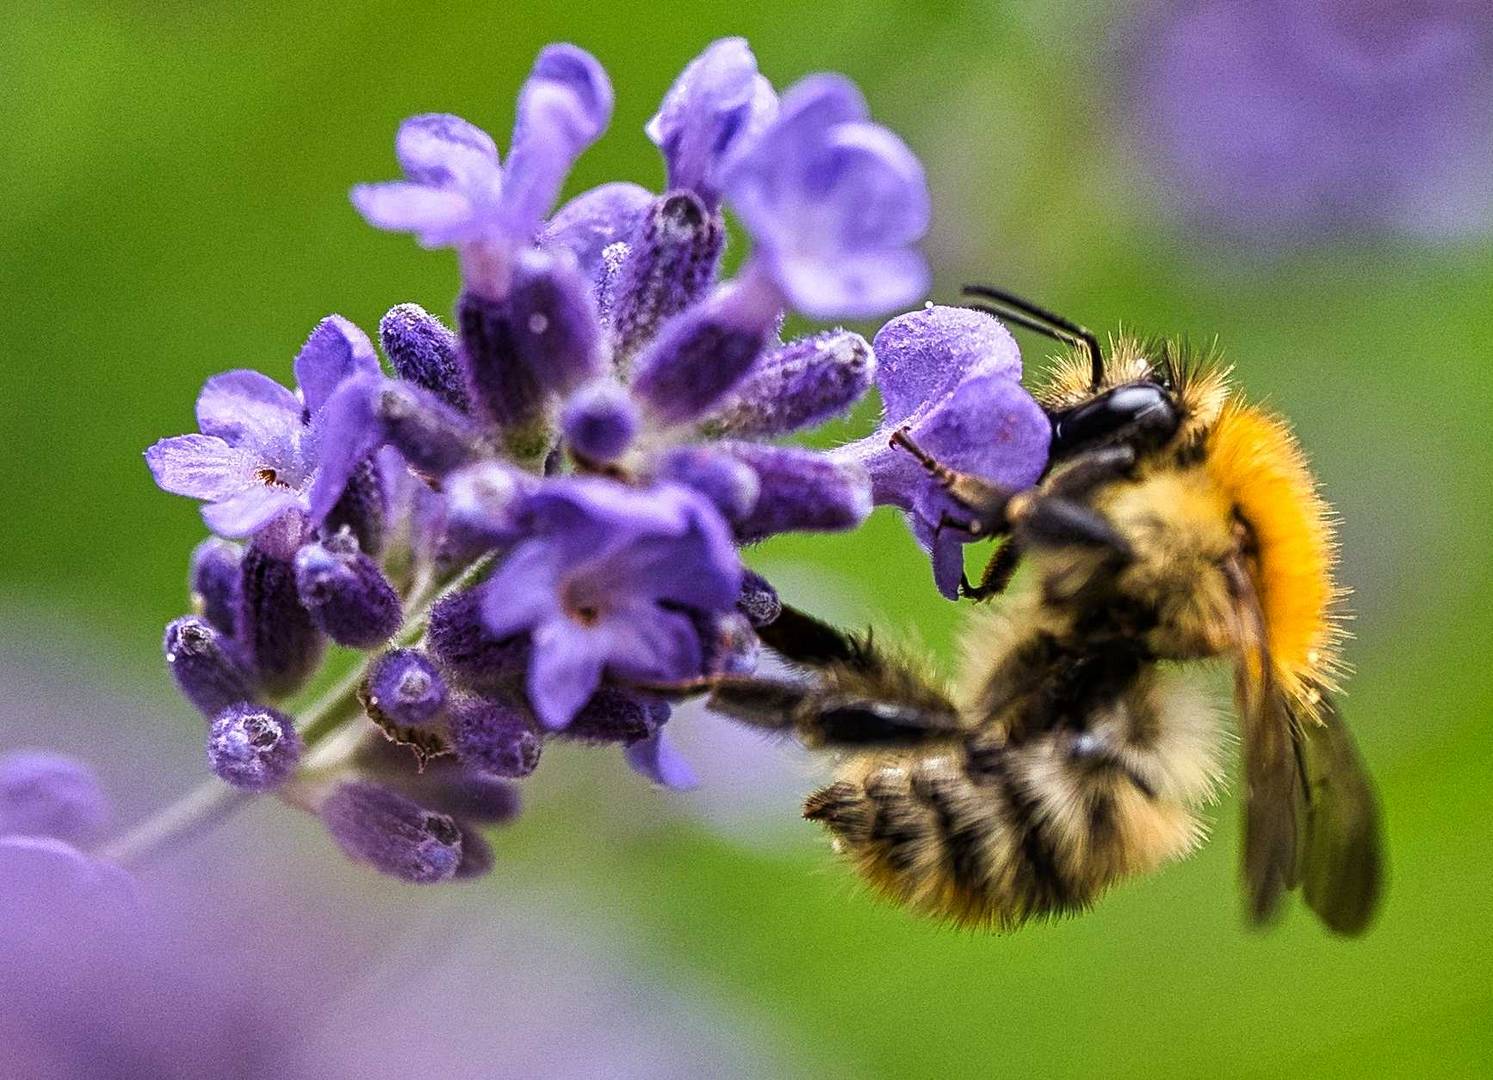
x,y
947,839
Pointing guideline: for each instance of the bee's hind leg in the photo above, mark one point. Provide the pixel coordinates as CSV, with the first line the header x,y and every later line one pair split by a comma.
x,y
832,717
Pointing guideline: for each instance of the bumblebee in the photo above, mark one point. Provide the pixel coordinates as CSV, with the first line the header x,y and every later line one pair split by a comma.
x,y
1175,523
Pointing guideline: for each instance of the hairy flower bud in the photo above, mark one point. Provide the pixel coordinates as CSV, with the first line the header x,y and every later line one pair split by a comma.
x,y
600,421
406,687
422,351
555,325
253,747
203,665
459,641
613,716
701,355
392,833
279,641
798,385
47,794
215,582
346,593
362,508
495,736
671,262
800,490
727,482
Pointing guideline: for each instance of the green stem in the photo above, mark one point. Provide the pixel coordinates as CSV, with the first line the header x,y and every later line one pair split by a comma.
x,y
213,801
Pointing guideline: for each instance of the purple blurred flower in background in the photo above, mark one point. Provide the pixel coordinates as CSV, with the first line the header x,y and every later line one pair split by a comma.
x,y
1269,118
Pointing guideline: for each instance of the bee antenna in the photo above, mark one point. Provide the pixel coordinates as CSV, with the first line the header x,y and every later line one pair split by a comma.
x,y
1007,305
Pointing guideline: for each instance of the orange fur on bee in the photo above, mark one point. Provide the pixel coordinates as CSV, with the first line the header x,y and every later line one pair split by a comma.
x,y
1253,457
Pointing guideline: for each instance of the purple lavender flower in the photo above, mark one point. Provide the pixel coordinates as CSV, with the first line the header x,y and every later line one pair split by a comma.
x,y
951,378
600,585
256,455
346,593
495,736
47,794
833,204
718,103
253,747
456,195
1284,119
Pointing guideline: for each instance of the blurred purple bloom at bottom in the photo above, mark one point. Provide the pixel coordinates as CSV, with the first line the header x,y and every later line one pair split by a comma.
x,y
48,794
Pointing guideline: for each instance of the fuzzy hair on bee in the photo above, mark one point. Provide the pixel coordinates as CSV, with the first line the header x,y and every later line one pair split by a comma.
x,y
1176,523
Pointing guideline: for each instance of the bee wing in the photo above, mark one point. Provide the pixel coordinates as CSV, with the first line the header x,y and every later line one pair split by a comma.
x,y
1342,862
1311,818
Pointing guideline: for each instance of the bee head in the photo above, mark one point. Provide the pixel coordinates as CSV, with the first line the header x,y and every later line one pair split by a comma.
x,y
1142,414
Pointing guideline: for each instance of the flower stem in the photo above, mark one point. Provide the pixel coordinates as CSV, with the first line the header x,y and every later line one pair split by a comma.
x,y
213,801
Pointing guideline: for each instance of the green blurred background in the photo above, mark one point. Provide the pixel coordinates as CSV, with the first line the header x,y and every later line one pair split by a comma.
x,y
175,182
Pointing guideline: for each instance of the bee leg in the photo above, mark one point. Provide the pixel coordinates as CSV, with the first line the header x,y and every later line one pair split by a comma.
x,y
1080,477
1048,521
984,502
803,639
828,719
998,573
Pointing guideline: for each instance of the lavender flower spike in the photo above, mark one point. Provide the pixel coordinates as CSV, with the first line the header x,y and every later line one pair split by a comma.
x,y
603,586
455,194
252,747
951,377
833,203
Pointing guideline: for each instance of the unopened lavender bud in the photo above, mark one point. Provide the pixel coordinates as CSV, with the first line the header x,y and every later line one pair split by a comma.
x,y
215,582
612,716
800,491
393,834
494,736
600,421
672,261
422,351
362,509
47,794
798,385
486,504
406,687
203,664
461,644
557,332
433,437
346,593
252,747
467,795
280,643
702,354
608,277
759,600
727,482
501,387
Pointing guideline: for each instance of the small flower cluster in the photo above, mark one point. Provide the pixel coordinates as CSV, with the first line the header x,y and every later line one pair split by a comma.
x,y
531,523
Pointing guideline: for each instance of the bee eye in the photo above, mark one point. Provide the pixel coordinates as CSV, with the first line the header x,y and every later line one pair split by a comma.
x,y
1142,414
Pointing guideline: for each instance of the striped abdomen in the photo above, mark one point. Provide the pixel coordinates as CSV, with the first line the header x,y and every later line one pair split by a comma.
x,y
994,831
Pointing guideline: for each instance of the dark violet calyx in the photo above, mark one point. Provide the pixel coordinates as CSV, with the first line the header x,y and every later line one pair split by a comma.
x,y
204,666
406,687
392,833
496,737
346,593
422,351
252,747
